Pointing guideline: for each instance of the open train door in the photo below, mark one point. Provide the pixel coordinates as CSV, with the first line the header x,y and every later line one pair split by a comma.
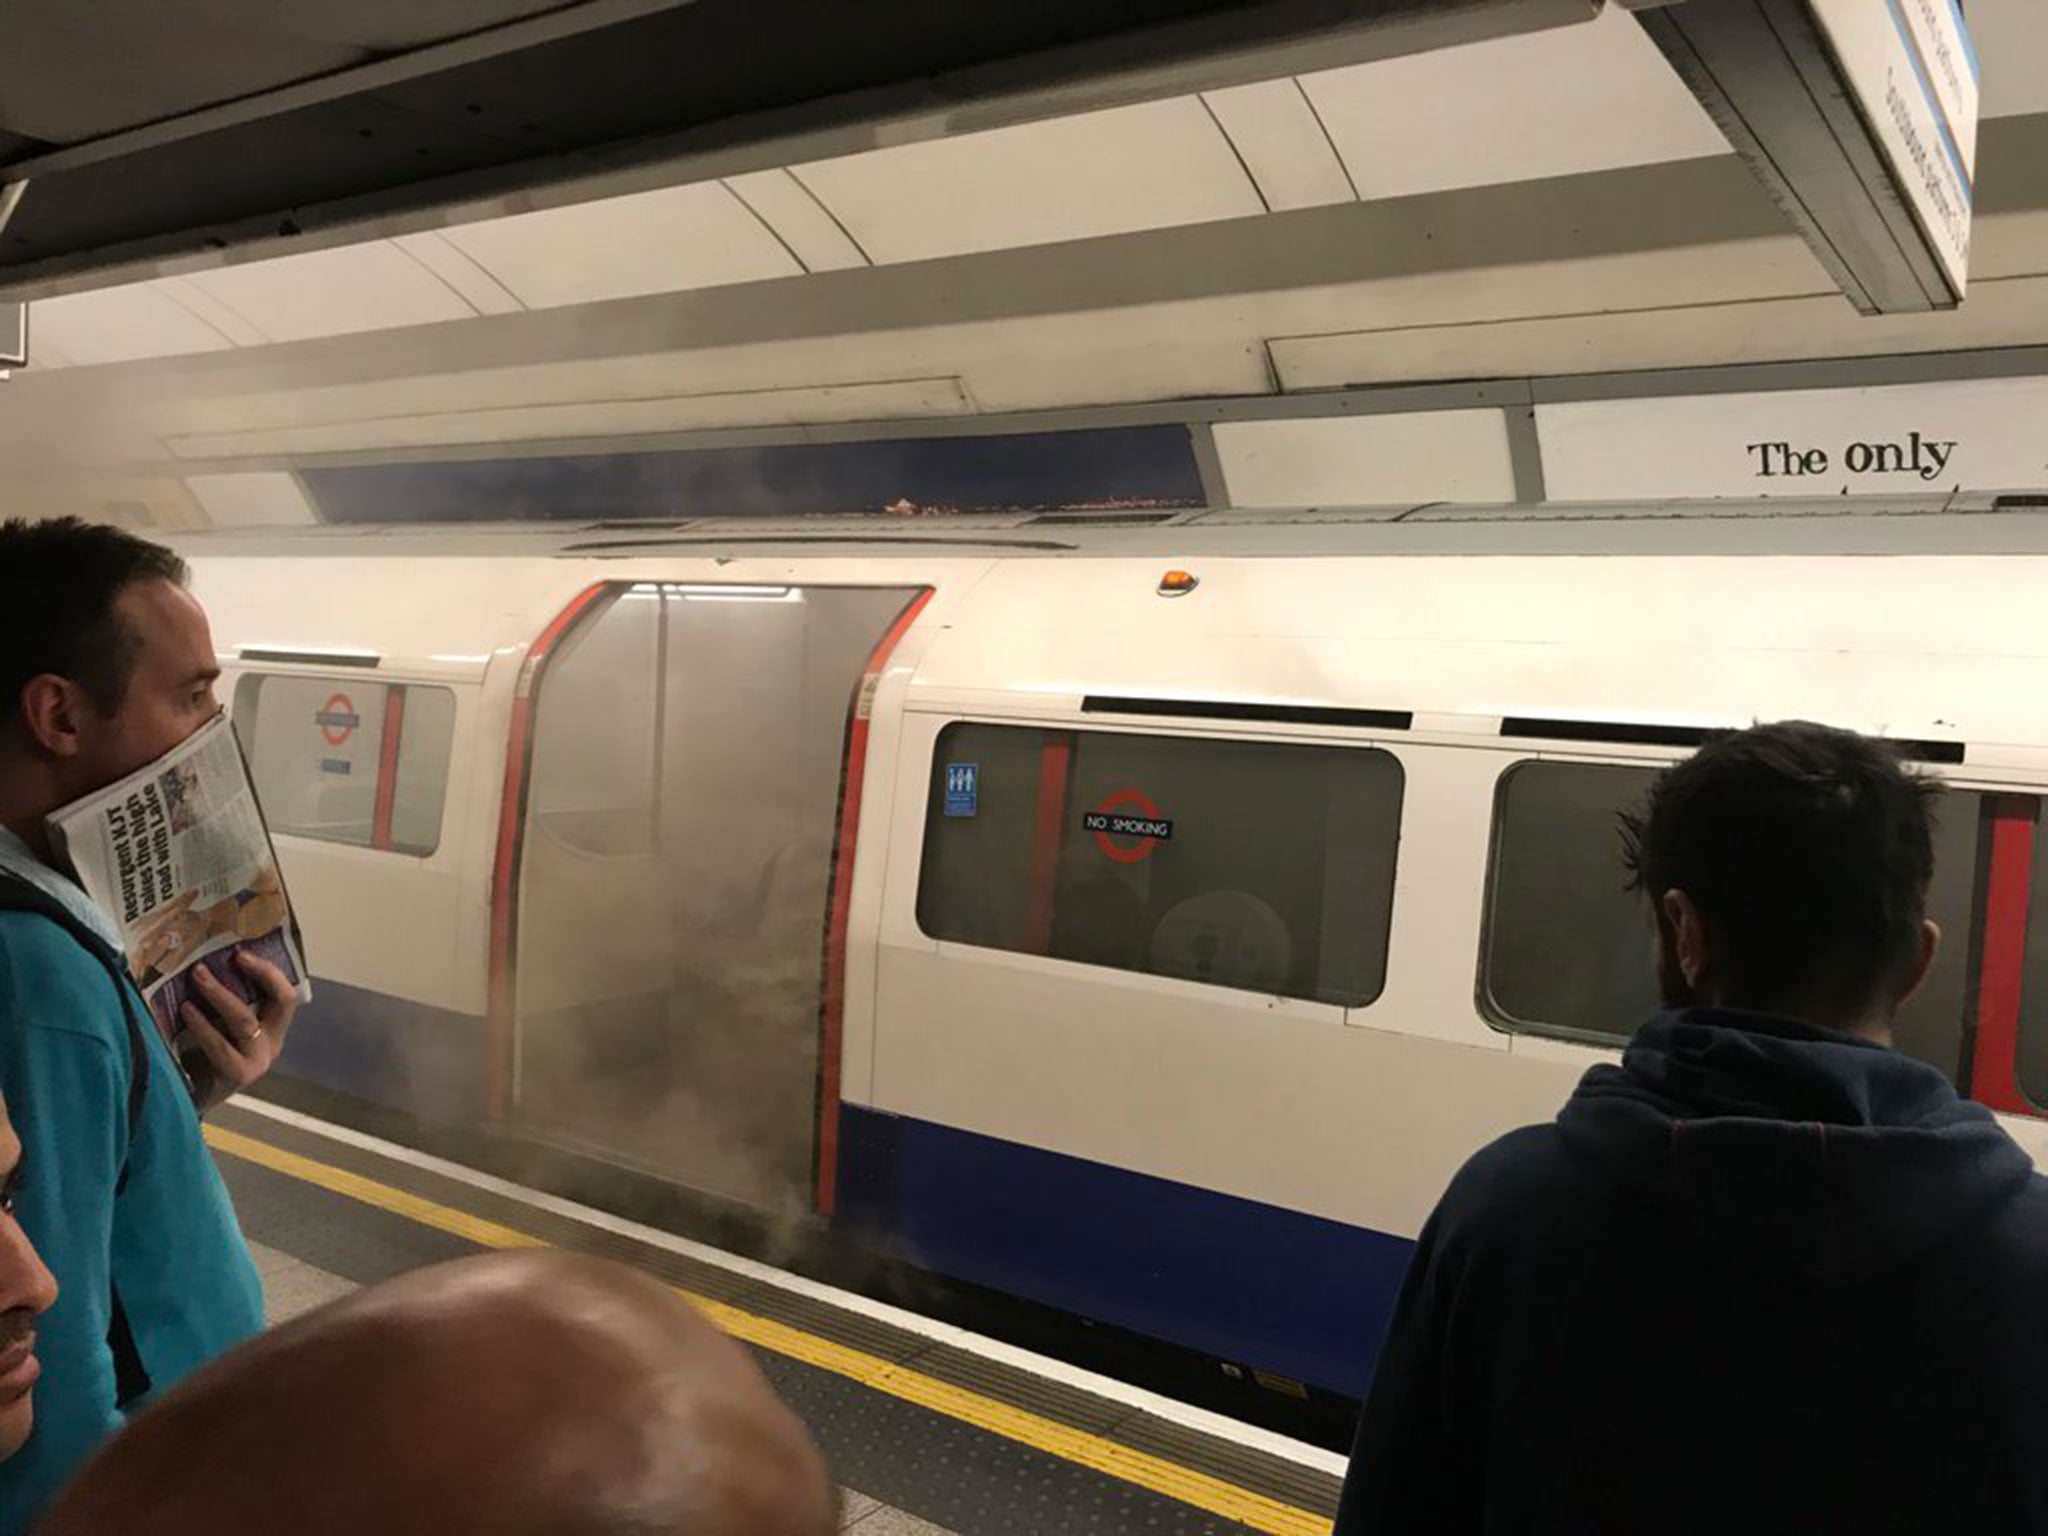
x,y
689,746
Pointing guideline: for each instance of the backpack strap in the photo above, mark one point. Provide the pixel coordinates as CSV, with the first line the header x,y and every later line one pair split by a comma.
x,y
131,1377
17,895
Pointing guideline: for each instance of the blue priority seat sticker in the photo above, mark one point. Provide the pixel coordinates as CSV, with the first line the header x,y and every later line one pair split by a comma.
x,y
963,789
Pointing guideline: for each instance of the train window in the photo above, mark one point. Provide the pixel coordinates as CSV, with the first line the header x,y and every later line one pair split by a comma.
x,y
597,731
1569,951
319,749
425,747
1257,865
1568,948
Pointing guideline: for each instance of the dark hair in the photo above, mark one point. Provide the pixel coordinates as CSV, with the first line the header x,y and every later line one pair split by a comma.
x,y
1808,851
59,581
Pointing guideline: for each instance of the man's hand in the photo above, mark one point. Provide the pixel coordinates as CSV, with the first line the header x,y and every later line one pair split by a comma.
x,y
240,1042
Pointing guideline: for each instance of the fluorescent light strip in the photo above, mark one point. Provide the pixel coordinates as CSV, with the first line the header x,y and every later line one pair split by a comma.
x,y
695,593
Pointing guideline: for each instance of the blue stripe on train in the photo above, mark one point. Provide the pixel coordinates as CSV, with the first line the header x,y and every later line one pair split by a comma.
x,y
1237,1279
1233,1278
408,1056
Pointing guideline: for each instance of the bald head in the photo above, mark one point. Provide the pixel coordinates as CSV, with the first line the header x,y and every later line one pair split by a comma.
x,y
518,1394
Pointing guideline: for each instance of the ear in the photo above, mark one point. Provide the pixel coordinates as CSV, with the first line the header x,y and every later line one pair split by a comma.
x,y
1686,933
52,709
1930,946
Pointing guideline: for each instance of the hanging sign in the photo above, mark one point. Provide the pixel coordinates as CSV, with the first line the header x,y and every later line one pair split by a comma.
x,y
1860,119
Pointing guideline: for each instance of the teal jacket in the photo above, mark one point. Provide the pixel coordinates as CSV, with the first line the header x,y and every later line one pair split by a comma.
x,y
168,1240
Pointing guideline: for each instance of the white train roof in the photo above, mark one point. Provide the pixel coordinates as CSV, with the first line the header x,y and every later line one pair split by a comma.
x,y
1906,621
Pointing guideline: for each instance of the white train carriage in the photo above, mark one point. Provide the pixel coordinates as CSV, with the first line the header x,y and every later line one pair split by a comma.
x,y
1141,921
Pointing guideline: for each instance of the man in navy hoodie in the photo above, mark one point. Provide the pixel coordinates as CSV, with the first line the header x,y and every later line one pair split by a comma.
x,y
1766,1275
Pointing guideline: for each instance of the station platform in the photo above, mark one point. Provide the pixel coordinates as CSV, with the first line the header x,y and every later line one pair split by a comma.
x,y
929,1428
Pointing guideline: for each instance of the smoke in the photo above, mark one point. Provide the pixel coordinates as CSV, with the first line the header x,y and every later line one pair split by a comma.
x,y
674,892
90,442
708,1081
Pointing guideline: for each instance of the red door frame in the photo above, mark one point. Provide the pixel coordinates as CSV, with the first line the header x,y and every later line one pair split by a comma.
x,y
505,867
832,1007
2001,959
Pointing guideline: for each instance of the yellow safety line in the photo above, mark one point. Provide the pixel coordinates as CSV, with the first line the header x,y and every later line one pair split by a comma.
x,y
1124,1462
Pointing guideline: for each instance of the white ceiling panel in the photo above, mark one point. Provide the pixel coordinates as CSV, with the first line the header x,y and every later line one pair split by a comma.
x,y
1100,173
697,236
116,325
483,292
786,206
1282,143
556,375
1588,98
352,288
2011,37
1367,460
885,399
1126,357
239,329
268,499
2003,313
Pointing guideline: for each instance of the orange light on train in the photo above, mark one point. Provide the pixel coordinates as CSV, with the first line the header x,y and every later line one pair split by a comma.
x,y
1178,583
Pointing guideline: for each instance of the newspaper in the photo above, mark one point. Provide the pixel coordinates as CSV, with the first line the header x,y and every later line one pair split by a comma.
x,y
178,855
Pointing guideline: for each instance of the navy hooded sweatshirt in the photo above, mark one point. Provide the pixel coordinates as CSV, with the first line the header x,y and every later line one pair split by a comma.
x,y
1761,1277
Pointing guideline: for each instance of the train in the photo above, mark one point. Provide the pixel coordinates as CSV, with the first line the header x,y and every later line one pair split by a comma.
x,y
1140,916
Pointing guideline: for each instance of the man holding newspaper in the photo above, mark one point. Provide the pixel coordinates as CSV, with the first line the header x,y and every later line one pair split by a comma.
x,y
131,851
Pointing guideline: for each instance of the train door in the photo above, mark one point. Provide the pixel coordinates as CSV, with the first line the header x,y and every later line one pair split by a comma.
x,y
689,746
